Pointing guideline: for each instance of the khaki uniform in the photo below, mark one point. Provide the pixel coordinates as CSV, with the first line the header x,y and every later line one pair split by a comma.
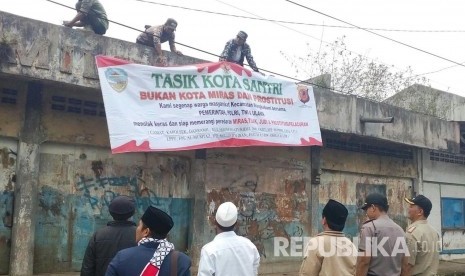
x,y
387,260
329,254
423,245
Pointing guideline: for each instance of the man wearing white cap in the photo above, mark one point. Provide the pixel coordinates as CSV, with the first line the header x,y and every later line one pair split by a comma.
x,y
228,253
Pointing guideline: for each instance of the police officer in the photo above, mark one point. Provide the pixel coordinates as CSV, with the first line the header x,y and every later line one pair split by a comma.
x,y
382,245
422,239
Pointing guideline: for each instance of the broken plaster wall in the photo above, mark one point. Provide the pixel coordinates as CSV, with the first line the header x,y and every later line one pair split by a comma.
x,y
78,176
268,184
8,152
444,183
349,176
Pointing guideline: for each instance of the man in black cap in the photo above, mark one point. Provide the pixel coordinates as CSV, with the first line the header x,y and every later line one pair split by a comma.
x,y
330,253
422,239
154,255
382,247
107,241
236,50
153,36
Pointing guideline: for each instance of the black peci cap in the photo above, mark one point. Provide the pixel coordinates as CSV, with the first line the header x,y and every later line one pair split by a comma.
x,y
157,221
336,214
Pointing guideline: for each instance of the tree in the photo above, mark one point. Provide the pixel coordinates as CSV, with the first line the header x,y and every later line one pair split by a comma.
x,y
353,73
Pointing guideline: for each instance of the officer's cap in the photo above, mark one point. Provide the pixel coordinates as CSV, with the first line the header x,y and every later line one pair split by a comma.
x,y
375,199
421,201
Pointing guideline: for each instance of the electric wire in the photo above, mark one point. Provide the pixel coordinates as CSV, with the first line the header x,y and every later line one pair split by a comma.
x,y
380,35
268,71
312,24
438,70
301,23
206,52
319,39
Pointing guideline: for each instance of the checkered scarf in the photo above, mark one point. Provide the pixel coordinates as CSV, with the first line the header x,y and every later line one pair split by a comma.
x,y
163,249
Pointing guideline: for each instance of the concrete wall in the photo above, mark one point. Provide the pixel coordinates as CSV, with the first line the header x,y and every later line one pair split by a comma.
x,y
430,101
8,150
78,176
59,54
444,179
341,113
349,176
77,183
269,186
36,49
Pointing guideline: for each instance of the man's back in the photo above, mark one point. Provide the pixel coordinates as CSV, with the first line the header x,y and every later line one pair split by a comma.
x,y
229,254
390,245
104,245
423,241
330,253
131,261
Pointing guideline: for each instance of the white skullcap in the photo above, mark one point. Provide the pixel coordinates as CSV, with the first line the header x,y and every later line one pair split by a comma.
x,y
226,215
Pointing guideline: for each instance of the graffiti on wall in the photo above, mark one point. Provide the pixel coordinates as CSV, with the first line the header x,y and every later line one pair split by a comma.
x,y
67,220
7,182
263,216
8,162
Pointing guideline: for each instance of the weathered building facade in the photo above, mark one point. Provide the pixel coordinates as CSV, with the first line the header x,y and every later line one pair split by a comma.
x,y
57,174
442,173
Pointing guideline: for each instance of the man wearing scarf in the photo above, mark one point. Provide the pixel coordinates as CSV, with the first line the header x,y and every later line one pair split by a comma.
x,y
154,254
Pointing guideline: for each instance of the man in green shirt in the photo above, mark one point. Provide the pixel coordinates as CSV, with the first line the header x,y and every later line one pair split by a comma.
x,y
90,15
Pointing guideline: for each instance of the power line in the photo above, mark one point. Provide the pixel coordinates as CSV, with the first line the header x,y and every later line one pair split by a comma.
x,y
319,39
271,72
301,23
206,52
436,71
380,35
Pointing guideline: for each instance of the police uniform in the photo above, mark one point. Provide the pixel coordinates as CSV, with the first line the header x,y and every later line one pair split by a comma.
x,y
383,228
382,239
422,241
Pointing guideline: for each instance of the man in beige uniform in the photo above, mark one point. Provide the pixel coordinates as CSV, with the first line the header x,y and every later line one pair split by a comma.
x,y
330,253
383,248
422,239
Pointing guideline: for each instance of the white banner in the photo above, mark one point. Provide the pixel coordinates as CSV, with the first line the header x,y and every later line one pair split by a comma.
x,y
203,106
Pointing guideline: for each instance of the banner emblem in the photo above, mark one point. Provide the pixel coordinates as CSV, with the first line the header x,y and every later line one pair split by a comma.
x,y
117,78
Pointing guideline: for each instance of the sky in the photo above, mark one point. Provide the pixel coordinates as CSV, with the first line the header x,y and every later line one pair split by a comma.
x,y
271,42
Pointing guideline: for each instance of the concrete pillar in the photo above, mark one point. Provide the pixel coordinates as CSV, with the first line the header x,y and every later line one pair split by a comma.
x,y
199,168
417,185
26,187
315,172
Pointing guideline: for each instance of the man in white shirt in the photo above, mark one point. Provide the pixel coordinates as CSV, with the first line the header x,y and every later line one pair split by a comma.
x,y
228,253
